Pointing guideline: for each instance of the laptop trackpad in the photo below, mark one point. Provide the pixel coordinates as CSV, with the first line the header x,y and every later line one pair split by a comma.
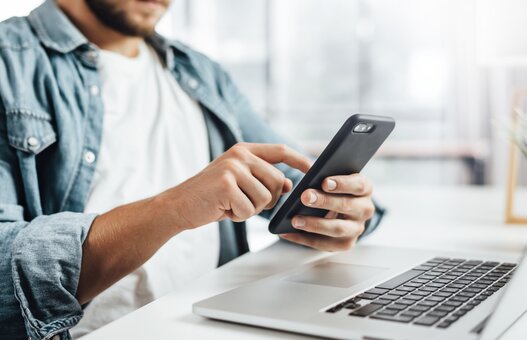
x,y
335,274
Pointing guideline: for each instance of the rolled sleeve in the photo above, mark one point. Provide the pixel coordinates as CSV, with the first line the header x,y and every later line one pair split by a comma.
x,y
46,257
375,221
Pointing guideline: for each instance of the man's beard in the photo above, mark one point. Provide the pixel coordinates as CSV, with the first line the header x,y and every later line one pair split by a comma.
x,y
116,18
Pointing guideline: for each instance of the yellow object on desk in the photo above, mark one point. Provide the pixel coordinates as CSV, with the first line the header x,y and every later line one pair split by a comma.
x,y
511,217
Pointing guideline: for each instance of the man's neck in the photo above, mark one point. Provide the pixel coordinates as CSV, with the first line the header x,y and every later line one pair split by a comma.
x,y
98,33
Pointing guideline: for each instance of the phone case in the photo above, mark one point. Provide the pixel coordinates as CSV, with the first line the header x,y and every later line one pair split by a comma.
x,y
347,153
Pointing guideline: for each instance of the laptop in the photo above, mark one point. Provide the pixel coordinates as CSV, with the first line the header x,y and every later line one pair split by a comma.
x,y
374,292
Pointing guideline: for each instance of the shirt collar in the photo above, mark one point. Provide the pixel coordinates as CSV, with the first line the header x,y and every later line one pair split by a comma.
x,y
54,29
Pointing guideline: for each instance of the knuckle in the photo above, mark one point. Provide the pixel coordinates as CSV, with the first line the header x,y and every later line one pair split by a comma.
x,y
362,227
225,181
369,210
282,148
239,150
340,230
230,164
267,197
346,205
360,185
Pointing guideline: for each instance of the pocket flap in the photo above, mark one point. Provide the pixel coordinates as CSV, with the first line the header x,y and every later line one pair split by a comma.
x,y
29,131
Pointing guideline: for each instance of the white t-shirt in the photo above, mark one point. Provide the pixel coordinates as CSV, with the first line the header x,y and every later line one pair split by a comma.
x,y
154,137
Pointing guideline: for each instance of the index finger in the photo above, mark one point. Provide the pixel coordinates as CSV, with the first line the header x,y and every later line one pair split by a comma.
x,y
280,153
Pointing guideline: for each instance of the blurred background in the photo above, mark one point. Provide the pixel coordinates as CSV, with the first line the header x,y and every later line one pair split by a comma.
x,y
446,70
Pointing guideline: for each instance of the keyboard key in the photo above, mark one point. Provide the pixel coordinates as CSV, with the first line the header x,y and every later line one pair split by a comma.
x,y
421,293
352,305
443,294
398,292
419,308
411,313
455,286
459,298
378,291
444,308
381,301
406,288
450,290
366,296
473,262
396,306
419,280
397,318
400,279
451,319
450,277
414,297
387,312
366,310
444,324
426,321
452,303
459,313
406,302
437,313
427,303
442,281
334,309
435,298
390,297
429,289
428,277
466,294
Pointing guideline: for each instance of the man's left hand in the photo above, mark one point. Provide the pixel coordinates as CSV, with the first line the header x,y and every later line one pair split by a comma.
x,y
348,200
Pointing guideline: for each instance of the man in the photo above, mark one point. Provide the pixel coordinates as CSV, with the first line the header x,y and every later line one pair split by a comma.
x,y
107,196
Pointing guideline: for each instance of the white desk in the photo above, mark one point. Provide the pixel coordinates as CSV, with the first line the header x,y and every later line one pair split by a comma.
x,y
442,218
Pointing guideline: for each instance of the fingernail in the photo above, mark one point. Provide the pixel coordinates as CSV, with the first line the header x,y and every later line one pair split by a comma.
x,y
312,198
332,185
299,222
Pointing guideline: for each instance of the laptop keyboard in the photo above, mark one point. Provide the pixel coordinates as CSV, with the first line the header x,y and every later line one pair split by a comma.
x,y
436,293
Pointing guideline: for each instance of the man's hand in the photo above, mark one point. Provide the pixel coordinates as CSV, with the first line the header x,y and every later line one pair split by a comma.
x,y
348,199
237,185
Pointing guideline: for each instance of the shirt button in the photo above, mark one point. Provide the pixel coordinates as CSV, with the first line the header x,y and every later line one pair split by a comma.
x,y
94,90
89,157
193,83
33,142
92,55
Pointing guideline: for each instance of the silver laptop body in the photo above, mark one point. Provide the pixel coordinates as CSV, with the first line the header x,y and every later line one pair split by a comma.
x,y
343,296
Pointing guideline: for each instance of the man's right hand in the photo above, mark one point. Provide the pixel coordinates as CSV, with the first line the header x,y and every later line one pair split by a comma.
x,y
237,185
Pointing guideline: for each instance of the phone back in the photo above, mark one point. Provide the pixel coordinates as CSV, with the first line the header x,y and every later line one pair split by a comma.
x,y
347,153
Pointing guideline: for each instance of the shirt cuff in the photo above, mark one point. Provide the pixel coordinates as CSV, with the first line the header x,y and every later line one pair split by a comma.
x,y
46,262
374,222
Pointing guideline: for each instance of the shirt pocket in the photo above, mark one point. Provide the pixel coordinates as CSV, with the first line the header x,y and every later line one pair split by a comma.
x,y
29,131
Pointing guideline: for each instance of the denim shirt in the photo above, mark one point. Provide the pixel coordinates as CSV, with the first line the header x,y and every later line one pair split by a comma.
x,y
51,117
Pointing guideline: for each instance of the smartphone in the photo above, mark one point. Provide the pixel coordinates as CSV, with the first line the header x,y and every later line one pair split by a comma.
x,y
347,153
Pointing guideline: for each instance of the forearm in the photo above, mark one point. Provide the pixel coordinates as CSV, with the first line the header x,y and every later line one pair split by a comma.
x,y
119,242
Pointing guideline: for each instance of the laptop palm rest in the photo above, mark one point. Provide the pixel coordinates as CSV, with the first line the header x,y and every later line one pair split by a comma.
x,y
335,274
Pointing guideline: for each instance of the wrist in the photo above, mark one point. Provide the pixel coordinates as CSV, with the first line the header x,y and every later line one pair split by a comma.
x,y
165,210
